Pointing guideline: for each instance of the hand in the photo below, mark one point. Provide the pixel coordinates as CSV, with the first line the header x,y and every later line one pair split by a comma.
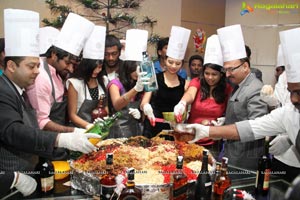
x,y
220,121
179,110
87,127
25,184
79,130
148,111
201,132
135,113
77,141
280,144
141,81
267,95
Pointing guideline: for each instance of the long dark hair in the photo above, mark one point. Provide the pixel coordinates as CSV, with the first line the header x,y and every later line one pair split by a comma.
x,y
85,70
124,75
218,92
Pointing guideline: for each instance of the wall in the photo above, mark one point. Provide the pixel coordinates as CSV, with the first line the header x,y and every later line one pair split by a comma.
x,y
261,30
206,14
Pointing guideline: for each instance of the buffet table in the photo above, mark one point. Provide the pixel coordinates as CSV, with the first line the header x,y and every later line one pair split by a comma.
x,y
241,179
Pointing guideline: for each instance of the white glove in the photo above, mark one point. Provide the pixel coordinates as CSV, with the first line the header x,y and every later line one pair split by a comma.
x,y
135,113
280,144
79,130
200,131
77,141
87,127
179,110
220,121
141,81
25,184
267,95
148,111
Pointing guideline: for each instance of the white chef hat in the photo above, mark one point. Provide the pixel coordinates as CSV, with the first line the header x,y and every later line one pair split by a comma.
x,y
290,44
95,45
280,58
178,42
21,29
213,51
232,42
136,44
74,33
47,36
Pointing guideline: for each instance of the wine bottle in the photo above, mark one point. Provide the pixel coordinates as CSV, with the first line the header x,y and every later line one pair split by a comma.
x,y
99,111
131,192
102,127
45,177
223,181
108,179
180,181
148,67
263,171
203,185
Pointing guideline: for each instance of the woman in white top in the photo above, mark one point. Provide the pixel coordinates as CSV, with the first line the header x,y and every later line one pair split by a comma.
x,y
85,87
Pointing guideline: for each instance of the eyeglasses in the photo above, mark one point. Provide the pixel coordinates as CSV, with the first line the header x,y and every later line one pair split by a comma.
x,y
232,69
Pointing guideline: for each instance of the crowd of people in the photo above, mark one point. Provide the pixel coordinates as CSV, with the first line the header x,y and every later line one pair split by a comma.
x,y
49,88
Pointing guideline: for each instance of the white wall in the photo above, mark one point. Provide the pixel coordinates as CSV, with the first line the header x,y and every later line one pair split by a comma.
x,y
261,30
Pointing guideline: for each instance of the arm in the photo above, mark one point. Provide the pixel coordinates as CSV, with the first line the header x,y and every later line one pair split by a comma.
x,y
228,132
189,95
146,99
72,107
119,101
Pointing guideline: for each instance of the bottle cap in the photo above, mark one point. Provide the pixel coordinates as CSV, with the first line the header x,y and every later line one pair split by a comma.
x,y
225,160
109,158
130,173
179,163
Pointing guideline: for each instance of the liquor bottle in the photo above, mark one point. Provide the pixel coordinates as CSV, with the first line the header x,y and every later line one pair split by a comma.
x,y
180,181
203,185
263,171
130,192
99,111
108,181
102,127
147,66
45,175
222,181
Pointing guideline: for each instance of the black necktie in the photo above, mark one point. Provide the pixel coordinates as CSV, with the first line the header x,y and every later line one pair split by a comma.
x,y
234,89
298,142
25,98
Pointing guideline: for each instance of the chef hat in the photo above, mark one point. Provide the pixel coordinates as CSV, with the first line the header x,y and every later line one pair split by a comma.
x,y
280,58
136,44
290,44
95,45
74,33
47,36
21,29
213,51
232,42
178,42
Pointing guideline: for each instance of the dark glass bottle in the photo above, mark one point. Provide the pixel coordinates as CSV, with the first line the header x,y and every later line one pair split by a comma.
x,y
223,181
130,192
203,185
108,179
99,111
45,178
147,66
180,181
216,176
263,171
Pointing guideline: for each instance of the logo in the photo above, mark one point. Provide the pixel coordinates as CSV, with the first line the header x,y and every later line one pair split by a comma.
x,y
246,8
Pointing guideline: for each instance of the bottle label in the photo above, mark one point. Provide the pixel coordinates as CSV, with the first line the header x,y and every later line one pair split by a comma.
x,y
266,179
130,197
207,184
180,191
107,191
47,184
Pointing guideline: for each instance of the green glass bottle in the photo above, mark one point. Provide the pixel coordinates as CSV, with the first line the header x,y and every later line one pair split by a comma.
x,y
102,127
